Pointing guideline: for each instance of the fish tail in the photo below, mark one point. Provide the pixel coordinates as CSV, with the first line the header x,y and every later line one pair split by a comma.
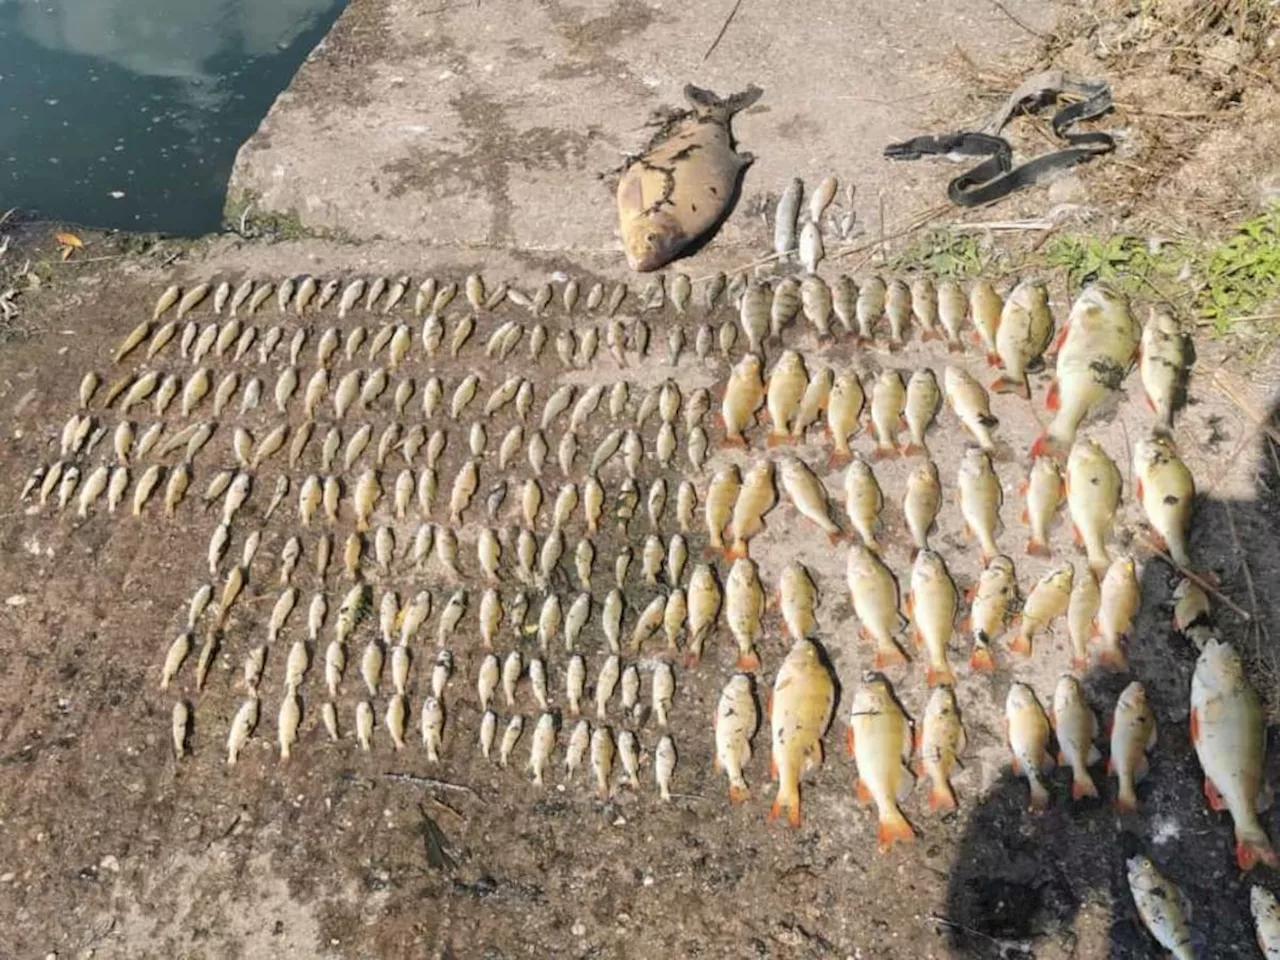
x,y
1038,548
993,360
1253,847
981,661
1021,645
719,108
889,655
912,450
1113,658
778,439
1126,798
738,792
942,798
1007,384
1082,786
939,676
788,799
1044,447
1039,795
893,829
749,661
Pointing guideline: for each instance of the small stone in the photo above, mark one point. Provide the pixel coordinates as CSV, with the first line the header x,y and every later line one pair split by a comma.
x,y
579,929
8,877
109,862
17,600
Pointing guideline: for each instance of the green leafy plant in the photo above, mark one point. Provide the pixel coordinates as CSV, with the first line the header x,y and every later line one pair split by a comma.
x,y
1242,276
944,253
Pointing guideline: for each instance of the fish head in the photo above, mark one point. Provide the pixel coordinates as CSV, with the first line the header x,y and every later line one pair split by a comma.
x,y
1020,698
1133,698
1063,577
1220,666
1262,902
653,240
1068,692
1031,292
1140,867
1000,566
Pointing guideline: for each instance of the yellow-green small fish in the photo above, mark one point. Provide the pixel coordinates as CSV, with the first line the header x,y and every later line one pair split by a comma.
x,y
880,742
1160,908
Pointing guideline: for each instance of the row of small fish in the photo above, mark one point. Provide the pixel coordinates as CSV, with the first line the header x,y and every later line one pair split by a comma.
x,y
799,232
379,295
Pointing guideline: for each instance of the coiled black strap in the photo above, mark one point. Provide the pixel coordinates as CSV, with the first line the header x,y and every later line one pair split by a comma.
x,y
997,177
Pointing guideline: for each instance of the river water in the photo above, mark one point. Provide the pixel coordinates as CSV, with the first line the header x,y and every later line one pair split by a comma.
x,y
129,113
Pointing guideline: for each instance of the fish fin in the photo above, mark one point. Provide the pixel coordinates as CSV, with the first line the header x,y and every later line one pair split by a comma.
x,y
1053,399
862,791
690,661
773,767
913,450
1251,849
940,677
1083,786
1043,447
1038,548
1195,725
776,440
1005,384
738,794
1216,803
981,661
1062,757
835,539
716,765
890,656
1137,488
768,709
894,829
1126,799
749,662
942,798
737,552
994,361
1039,797
721,108
849,740
1021,645
1113,659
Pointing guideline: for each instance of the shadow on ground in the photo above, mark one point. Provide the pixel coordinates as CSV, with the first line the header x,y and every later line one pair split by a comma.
x,y
1054,884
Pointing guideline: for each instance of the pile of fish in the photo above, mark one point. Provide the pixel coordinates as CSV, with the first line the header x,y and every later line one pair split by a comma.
x,y
577,536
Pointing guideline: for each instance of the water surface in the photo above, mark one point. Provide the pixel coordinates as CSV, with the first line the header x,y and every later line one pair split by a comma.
x,y
129,113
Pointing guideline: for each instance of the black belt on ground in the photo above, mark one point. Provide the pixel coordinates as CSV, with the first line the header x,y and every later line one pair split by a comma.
x,y
997,177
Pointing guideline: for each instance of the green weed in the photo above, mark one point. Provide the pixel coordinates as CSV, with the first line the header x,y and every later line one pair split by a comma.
x,y
944,253
1242,276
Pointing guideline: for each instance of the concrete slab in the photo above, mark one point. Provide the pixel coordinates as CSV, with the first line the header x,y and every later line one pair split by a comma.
x,y
491,126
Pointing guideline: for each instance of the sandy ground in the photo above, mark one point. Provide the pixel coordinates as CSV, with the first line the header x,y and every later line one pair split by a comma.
x,y
111,845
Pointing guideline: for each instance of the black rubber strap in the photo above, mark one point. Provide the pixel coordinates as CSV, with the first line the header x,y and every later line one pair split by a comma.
x,y
996,177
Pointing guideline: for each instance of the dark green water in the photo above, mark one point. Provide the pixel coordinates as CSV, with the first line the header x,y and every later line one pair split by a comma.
x,y
129,113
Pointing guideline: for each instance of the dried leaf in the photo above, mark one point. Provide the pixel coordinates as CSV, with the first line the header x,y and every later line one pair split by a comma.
x,y
68,240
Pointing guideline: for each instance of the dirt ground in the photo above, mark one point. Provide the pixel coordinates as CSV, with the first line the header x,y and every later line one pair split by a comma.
x,y
111,847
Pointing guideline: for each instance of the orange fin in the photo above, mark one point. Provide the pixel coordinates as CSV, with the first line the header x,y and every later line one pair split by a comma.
x,y
981,660
890,656
738,795
1021,645
1053,399
1216,803
863,794
775,811
849,740
1249,855
749,662
1084,787
1007,384
939,676
942,799
773,768
1113,659
895,830
1038,548
1195,726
